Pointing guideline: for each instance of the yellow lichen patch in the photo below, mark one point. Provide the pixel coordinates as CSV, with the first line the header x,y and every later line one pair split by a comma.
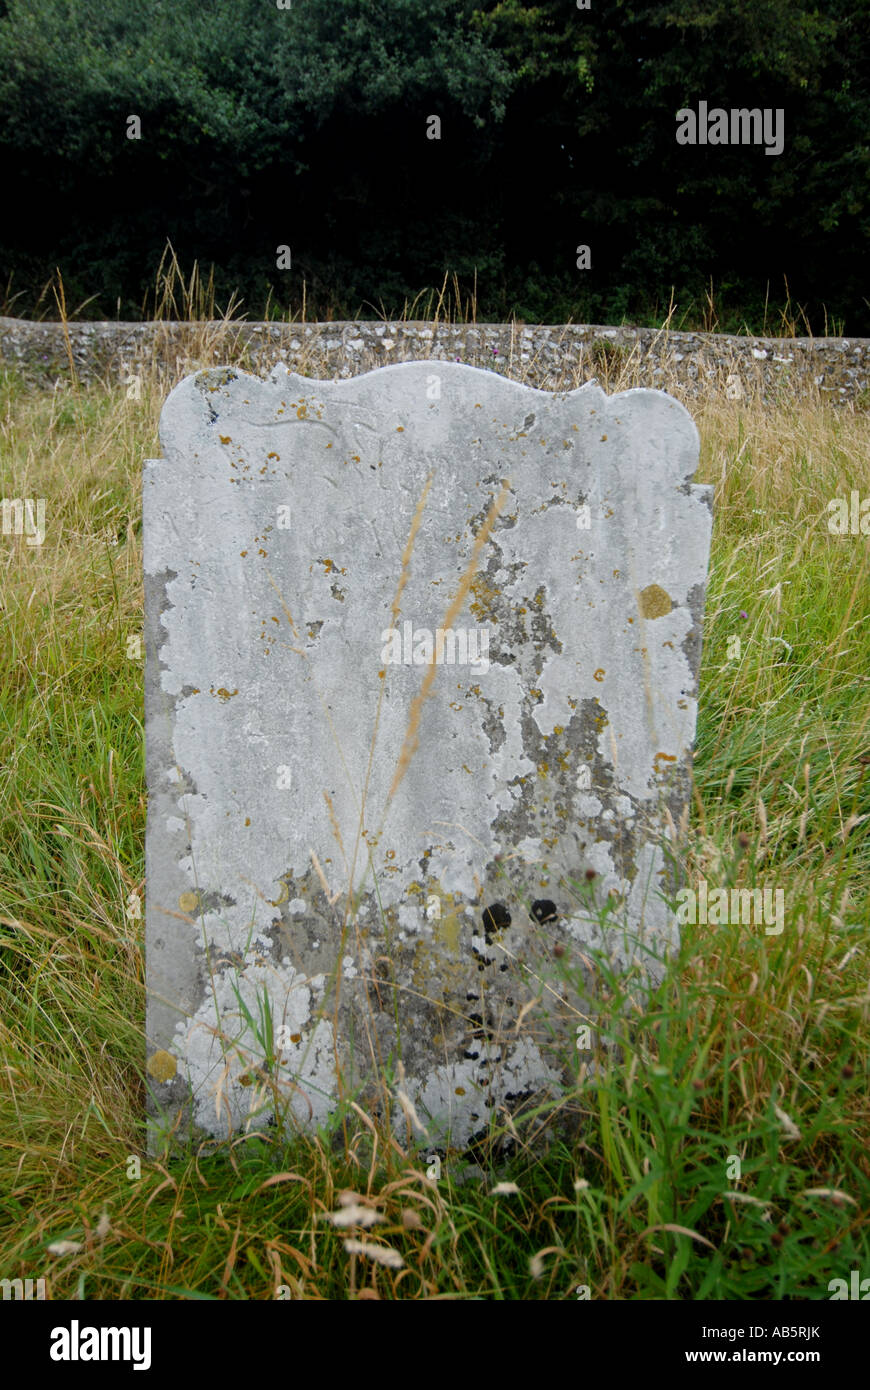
x,y
223,694
445,922
655,602
438,972
161,1065
189,902
284,895
225,439
447,931
599,674
485,598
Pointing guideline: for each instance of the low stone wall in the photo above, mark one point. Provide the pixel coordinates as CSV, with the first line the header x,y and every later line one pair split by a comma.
x,y
559,357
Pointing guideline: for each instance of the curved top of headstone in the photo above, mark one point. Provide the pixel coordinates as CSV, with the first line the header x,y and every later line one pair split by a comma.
x,y
405,385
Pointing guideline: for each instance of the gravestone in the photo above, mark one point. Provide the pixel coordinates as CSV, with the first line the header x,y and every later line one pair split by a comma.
x,y
422,652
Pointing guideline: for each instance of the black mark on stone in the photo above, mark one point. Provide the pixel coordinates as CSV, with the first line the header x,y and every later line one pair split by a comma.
x,y
495,919
544,911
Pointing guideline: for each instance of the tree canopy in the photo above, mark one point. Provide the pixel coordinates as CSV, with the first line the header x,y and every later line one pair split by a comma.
x,y
309,127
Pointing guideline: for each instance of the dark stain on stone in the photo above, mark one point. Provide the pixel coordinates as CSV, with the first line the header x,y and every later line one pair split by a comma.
x,y
495,919
544,911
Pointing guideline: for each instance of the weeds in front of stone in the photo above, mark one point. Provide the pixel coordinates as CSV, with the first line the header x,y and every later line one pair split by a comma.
x,y
719,1143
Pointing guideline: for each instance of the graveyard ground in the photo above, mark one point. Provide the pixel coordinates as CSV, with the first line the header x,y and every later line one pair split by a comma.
x,y
752,1056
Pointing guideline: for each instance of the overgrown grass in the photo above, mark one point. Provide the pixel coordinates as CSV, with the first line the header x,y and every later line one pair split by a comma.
x,y
752,1054
192,296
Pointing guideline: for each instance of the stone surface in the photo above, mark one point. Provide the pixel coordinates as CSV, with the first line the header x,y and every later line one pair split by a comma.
x,y
551,356
309,548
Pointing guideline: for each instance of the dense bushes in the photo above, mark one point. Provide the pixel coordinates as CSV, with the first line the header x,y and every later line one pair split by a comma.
x,y
307,127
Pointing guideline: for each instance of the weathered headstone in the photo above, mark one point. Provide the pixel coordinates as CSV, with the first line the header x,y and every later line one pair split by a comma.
x,y
422,658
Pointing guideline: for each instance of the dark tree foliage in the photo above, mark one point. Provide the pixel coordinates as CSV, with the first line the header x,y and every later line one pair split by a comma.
x,y
308,127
